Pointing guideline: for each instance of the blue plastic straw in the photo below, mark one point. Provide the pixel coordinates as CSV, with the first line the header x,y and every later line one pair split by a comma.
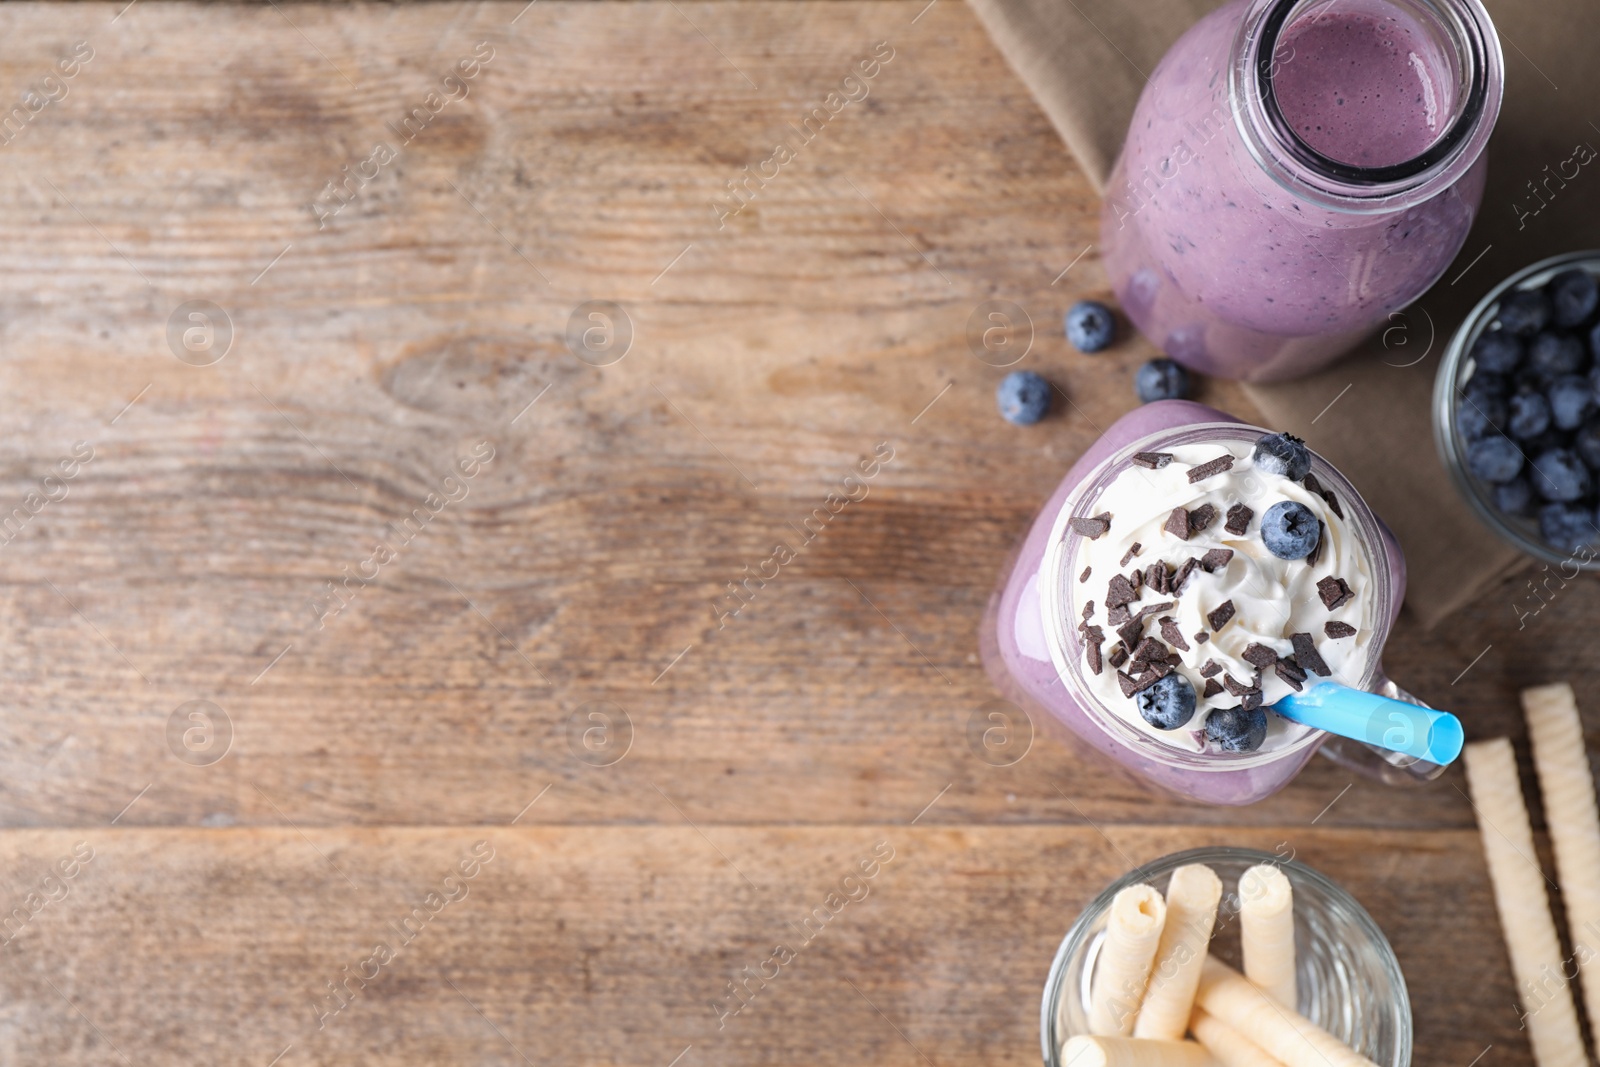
x,y
1435,736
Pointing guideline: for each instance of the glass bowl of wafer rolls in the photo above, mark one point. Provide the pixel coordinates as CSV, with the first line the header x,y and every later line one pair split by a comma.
x,y
1225,957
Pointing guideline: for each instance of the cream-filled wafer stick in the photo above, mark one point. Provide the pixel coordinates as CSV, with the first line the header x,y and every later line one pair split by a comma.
x,y
1227,1046
1567,784
1133,932
1084,1051
1519,897
1283,1033
1192,897
1266,929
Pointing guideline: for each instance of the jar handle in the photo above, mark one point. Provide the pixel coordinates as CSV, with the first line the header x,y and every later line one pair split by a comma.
x,y
1370,761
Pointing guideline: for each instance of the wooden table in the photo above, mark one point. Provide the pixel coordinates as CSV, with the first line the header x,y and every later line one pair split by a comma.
x,y
353,745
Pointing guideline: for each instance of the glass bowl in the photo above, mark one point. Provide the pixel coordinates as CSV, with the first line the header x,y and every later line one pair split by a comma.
x,y
1349,980
1456,370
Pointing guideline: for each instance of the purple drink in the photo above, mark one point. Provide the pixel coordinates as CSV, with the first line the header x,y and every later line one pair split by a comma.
x,y
1043,661
1296,171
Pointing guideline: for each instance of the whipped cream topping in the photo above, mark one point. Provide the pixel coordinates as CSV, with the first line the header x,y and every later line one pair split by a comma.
x,y
1271,599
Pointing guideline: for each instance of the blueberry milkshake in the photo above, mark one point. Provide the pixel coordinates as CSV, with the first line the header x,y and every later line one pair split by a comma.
x,y
1295,172
1190,572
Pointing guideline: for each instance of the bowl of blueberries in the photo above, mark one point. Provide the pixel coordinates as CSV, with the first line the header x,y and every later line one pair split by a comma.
x,y
1517,409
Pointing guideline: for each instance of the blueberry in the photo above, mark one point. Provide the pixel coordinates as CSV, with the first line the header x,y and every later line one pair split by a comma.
x,y
1023,397
1477,416
1551,354
1559,475
1090,326
1524,312
1289,530
1161,379
1587,443
1573,296
1498,351
1283,454
1168,704
1494,459
1487,383
1571,401
1237,730
1529,415
1567,527
1514,497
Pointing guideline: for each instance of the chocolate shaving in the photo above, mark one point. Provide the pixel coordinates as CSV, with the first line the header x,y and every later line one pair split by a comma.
x,y
1152,461
1130,687
1173,635
1239,518
1153,609
1290,671
1178,524
1337,630
1088,609
1311,484
1091,652
1157,578
1136,579
1251,700
1237,688
1219,616
1149,651
1216,559
1084,577
1201,638
1201,517
1211,689
1180,579
1120,591
1333,502
1306,654
1092,528
1119,655
1118,615
1259,656
1211,669
1131,631
1206,470
1334,592
1126,556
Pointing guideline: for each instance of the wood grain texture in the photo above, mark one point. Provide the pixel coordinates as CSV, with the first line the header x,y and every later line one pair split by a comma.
x,y
579,572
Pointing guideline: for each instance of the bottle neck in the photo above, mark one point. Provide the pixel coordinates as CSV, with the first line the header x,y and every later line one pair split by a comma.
x,y
1456,51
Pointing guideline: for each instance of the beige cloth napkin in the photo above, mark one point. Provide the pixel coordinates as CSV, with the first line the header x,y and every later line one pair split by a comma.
x,y
1086,62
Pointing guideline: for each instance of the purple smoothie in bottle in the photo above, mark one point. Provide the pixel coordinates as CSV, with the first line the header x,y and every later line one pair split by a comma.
x,y
1037,656
1295,171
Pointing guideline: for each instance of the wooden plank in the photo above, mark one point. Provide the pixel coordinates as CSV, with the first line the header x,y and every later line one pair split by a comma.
x,y
610,945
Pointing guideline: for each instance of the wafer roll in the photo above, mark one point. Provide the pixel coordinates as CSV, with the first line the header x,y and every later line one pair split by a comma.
x,y
1519,896
1567,784
1266,929
1227,1046
1133,933
1084,1051
1192,897
1283,1033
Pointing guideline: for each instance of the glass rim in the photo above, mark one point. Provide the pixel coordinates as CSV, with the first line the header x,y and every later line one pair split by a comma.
x,y
1446,432
1079,931
1279,149
1056,575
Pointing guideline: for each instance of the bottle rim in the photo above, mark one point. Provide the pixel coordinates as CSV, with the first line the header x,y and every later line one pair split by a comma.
x,y
1307,172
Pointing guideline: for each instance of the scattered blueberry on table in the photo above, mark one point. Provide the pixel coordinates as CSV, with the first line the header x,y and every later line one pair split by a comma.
x,y
1161,379
1529,414
1023,398
1090,326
